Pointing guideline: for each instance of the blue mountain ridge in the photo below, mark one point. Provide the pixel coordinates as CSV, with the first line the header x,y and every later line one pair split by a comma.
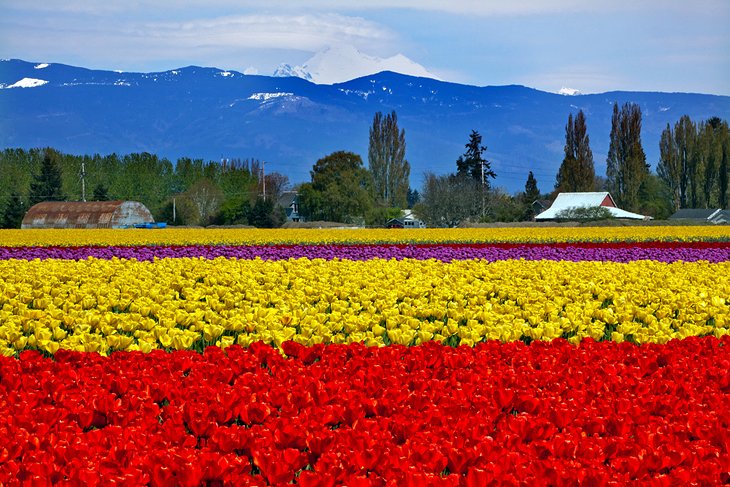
x,y
210,113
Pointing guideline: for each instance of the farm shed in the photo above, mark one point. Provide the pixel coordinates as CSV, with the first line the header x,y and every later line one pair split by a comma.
x,y
86,214
407,220
567,201
289,200
701,215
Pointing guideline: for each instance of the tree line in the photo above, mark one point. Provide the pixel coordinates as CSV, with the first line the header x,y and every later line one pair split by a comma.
x,y
189,192
694,163
692,172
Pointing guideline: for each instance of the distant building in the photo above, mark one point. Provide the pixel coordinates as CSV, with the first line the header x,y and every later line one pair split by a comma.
x,y
538,206
289,200
87,214
703,215
407,220
568,201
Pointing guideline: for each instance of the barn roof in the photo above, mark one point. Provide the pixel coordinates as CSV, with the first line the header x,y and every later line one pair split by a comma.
x,y
565,201
287,198
86,214
695,213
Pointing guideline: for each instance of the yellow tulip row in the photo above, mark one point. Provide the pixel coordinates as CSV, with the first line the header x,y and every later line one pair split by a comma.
x,y
199,236
107,305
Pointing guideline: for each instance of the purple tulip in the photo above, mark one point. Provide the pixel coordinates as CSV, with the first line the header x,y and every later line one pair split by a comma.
x,y
442,252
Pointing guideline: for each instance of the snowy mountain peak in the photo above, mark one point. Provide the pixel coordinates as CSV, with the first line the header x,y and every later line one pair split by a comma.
x,y
569,91
336,64
25,83
288,71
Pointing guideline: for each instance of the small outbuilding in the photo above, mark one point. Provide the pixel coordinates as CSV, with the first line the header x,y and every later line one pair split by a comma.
x,y
538,206
407,220
87,214
570,201
289,200
702,215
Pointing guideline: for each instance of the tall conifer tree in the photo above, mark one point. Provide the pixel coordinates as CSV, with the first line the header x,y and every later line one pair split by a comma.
x,y
46,185
531,191
472,162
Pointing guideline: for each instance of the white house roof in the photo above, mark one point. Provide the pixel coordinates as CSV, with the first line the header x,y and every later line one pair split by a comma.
x,y
565,201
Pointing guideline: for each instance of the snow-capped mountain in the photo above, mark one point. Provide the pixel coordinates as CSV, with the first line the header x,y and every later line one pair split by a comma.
x,y
569,91
337,64
289,71
290,123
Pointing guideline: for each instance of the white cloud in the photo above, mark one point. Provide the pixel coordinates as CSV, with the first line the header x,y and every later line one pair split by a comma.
x,y
303,32
468,7
229,42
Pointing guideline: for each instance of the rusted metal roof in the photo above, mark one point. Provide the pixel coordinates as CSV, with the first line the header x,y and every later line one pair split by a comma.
x,y
86,214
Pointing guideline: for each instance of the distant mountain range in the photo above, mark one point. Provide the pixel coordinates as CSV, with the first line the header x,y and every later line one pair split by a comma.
x,y
337,64
290,122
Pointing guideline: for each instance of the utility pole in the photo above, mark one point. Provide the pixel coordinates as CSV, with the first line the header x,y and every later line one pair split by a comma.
x,y
83,182
482,166
263,177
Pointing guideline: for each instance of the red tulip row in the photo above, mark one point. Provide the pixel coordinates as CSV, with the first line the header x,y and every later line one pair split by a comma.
x,y
495,414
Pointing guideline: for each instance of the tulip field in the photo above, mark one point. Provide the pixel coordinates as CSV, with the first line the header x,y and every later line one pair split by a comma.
x,y
465,357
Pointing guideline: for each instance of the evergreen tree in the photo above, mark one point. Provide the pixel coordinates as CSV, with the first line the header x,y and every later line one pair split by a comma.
x,y
531,194
101,192
14,212
388,167
531,191
626,167
413,197
576,173
471,163
46,185
266,214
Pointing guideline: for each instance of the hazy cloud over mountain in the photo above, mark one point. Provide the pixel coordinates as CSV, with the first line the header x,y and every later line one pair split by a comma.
x,y
593,46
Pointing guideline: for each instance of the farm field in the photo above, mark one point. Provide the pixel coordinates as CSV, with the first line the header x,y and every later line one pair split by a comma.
x,y
465,357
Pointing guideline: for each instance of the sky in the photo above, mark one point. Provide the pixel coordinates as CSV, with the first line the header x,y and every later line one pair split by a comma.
x,y
591,46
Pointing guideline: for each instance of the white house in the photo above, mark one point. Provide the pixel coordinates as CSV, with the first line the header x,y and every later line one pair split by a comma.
x,y
566,201
407,220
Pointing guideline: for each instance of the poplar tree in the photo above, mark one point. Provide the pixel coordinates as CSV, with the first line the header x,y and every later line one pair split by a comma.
x,y
685,135
577,172
724,171
386,161
626,168
669,168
